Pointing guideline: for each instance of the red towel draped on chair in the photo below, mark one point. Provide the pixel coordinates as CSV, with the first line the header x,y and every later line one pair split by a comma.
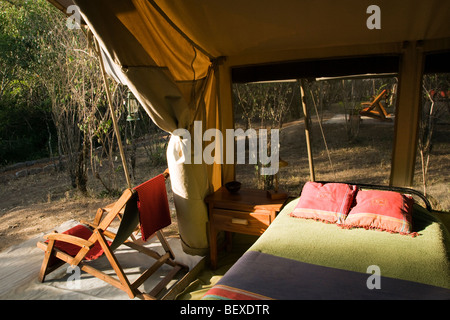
x,y
153,205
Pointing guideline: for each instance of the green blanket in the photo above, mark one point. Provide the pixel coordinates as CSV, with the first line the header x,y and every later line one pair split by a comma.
x,y
423,259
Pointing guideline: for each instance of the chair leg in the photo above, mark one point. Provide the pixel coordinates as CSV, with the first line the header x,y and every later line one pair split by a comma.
x,y
126,286
165,244
45,263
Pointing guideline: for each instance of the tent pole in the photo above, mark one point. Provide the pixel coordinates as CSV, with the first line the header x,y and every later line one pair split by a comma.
x,y
307,131
113,117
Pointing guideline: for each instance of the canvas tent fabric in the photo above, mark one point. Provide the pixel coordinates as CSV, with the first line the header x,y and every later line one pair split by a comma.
x,y
177,57
256,27
171,88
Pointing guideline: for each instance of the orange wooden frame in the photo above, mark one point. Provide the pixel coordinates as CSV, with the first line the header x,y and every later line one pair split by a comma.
x,y
375,109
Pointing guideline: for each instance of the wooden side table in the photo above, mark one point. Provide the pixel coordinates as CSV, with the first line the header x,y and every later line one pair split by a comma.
x,y
250,211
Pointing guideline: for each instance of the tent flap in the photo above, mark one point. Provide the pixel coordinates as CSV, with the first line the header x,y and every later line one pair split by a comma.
x,y
167,75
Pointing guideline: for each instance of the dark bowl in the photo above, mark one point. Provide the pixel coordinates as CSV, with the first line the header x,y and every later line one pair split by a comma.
x,y
233,186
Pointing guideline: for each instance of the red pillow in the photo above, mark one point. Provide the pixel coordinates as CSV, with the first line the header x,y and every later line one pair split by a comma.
x,y
328,202
383,210
71,249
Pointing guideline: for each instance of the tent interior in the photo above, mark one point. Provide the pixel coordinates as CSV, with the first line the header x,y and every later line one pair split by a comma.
x,y
181,60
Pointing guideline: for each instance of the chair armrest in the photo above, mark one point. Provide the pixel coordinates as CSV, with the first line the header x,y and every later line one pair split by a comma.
x,y
69,239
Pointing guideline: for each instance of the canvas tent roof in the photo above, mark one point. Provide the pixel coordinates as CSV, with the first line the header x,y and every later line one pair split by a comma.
x,y
180,57
252,27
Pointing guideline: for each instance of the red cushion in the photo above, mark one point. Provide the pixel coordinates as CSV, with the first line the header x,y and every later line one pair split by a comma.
x,y
383,210
83,232
328,202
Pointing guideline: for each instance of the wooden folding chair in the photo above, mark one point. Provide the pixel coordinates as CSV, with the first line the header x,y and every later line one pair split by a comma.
x,y
88,242
375,109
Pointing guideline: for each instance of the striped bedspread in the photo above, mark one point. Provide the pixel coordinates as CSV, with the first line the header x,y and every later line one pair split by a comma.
x,y
260,276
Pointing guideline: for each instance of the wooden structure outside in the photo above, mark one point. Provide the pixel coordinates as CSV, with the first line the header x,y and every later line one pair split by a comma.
x,y
375,109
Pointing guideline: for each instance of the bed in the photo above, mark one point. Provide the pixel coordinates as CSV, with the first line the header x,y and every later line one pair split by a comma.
x,y
310,258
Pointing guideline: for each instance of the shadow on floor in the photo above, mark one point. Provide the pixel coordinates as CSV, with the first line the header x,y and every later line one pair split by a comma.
x,y
208,277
